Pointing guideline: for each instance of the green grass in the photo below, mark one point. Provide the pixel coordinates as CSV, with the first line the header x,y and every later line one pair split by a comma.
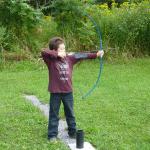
x,y
115,116
22,126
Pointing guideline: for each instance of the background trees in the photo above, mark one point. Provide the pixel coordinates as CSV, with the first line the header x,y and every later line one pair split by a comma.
x,y
27,25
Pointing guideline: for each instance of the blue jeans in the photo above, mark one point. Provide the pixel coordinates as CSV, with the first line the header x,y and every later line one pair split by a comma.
x,y
55,102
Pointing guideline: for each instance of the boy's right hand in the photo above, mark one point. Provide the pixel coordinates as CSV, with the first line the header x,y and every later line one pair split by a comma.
x,y
100,53
62,54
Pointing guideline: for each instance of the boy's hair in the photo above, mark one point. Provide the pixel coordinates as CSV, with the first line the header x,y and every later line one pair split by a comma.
x,y
55,42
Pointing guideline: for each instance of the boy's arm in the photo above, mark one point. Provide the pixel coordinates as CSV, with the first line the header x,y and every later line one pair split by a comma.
x,y
81,56
49,54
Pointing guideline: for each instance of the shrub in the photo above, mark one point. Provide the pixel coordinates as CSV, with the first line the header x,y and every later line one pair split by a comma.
x,y
126,28
19,19
2,37
40,36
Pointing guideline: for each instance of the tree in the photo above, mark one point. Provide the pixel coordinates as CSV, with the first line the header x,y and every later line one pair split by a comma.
x,y
18,18
109,2
39,3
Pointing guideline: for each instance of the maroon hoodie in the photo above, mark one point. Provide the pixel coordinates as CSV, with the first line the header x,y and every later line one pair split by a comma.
x,y
60,69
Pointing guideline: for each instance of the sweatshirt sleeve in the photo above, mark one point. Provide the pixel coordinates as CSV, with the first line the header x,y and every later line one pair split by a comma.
x,y
81,56
49,54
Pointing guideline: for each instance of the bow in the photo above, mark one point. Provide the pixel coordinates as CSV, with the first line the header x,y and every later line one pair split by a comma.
x,y
101,59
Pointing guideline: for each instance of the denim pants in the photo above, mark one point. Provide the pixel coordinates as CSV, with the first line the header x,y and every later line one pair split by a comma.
x,y
55,102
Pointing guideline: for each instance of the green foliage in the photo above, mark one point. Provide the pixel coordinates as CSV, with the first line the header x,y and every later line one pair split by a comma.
x,y
3,43
124,28
66,14
127,30
40,36
2,37
73,25
118,1
19,19
18,14
87,36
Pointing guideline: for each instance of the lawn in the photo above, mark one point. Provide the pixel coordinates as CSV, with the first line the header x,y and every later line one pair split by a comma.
x,y
115,116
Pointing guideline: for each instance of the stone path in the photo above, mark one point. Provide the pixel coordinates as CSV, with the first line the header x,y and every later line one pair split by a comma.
x,y
62,135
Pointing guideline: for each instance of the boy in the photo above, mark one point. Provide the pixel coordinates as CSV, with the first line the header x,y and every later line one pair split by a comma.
x,y
60,66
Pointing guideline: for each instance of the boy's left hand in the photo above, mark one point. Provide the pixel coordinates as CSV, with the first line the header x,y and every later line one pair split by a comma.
x,y
100,53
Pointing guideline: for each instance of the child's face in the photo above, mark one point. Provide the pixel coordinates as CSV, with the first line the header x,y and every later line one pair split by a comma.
x,y
61,48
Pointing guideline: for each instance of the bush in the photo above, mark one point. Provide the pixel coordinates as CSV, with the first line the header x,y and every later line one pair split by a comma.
x,y
73,25
66,14
2,37
19,19
126,28
40,36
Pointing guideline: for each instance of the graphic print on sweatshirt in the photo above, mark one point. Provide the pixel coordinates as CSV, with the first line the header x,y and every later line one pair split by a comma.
x,y
63,68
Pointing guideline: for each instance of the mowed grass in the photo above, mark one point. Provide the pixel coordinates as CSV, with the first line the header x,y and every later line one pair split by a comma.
x,y
115,116
22,126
